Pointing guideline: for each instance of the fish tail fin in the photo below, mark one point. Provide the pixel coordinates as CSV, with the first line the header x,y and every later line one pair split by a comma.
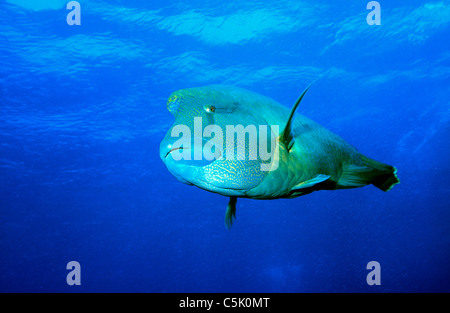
x,y
387,174
380,175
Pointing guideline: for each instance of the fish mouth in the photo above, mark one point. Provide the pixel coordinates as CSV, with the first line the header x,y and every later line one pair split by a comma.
x,y
200,153
175,149
191,172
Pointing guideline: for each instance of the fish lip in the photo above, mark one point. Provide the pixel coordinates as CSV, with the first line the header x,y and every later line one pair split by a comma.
x,y
189,148
175,149
175,173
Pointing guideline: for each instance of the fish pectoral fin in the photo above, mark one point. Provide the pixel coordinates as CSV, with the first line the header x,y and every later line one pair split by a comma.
x,y
230,214
311,182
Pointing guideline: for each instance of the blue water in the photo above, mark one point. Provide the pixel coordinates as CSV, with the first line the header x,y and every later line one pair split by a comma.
x,y
83,110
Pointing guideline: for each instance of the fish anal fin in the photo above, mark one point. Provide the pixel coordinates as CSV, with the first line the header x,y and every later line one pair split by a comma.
x,y
311,182
230,214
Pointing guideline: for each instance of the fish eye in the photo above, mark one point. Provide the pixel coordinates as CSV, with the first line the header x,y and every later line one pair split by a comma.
x,y
210,109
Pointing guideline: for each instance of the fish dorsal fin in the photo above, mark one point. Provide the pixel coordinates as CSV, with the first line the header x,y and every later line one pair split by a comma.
x,y
230,214
286,136
311,182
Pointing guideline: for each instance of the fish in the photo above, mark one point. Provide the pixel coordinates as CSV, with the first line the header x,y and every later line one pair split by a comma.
x,y
241,144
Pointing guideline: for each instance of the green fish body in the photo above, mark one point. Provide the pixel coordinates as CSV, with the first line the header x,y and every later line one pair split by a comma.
x,y
301,155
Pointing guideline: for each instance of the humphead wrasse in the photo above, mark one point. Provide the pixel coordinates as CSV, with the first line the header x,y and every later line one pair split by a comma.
x,y
238,143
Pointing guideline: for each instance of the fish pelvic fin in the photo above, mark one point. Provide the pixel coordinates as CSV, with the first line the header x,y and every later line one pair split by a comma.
x,y
286,135
230,214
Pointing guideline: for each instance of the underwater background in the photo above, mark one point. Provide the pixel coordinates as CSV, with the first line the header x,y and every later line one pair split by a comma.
x,y
83,110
